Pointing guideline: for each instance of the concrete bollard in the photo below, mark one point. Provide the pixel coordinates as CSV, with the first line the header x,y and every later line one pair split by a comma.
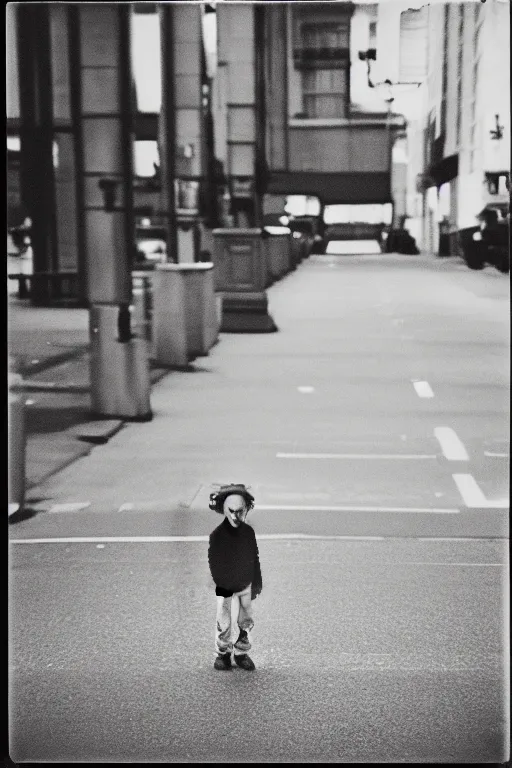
x,y
17,446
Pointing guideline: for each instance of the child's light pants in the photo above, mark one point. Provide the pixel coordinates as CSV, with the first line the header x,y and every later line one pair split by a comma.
x,y
226,622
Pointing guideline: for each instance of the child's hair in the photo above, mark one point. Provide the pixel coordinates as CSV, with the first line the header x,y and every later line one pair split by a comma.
x,y
217,498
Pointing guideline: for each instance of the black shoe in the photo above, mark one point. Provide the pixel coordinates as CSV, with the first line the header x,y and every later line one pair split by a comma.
x,y
223,661
243,643
242,660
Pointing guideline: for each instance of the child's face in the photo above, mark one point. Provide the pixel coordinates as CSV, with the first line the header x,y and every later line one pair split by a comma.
x,y
235,509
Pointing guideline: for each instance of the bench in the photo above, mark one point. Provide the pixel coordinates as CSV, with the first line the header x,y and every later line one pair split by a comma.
x,y
23,284
46,286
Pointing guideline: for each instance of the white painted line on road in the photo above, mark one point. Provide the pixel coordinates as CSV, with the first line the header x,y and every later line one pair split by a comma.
x,y
101,540
464,565
458,538
110,540
423,389
265,536
451,445
497,455
355,456
306,390
472,494
170,539
71,507
297,508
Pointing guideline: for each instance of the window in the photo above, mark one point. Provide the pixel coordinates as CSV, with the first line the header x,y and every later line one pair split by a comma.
x,y
325,92
146,159
372,28
324,36
323,55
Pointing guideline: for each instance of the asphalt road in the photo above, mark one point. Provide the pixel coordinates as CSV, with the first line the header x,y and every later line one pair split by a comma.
x,y
373,430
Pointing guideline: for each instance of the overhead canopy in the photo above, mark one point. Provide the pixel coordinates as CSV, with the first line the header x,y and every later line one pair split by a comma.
x,y
333,188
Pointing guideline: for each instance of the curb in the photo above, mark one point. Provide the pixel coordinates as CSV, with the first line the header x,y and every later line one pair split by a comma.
x,y
51,362
97,432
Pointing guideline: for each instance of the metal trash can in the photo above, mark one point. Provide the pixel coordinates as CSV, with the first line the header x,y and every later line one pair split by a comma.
x,y
120,382
17,445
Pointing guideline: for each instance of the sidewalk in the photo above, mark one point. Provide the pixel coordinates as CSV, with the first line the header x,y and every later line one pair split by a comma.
x,y
49,348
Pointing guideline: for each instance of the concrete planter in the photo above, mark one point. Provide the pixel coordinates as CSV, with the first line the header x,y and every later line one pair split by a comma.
x,y
201,319
278,248
185,312
240,260
296,251
17,446
241,276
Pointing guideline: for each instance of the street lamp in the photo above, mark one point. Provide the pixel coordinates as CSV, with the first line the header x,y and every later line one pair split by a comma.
x,y
371,55
497,133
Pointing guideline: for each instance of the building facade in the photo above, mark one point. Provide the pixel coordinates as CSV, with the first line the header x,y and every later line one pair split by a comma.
x,y
329,133
462,134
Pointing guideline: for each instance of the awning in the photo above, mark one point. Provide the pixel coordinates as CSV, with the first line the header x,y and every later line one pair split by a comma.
x,y
333,188
445,170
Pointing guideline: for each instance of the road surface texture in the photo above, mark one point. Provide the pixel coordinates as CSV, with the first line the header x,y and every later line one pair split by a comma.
x,y
373,429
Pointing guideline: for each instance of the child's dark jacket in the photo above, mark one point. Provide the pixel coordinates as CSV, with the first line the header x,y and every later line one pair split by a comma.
x,y
234,559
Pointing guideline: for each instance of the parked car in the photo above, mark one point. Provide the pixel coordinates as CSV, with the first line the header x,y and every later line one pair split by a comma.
x,y
489,242
150,244
398,240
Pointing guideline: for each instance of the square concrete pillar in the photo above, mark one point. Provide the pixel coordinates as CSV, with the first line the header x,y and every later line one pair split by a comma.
x,y
120,383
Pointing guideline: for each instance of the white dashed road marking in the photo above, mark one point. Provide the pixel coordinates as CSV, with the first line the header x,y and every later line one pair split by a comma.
x,y
126,507
306,390
71,507
451,445
423,389
472,493
354,456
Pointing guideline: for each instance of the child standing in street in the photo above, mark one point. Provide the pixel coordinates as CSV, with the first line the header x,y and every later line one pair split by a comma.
x,y
235,568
